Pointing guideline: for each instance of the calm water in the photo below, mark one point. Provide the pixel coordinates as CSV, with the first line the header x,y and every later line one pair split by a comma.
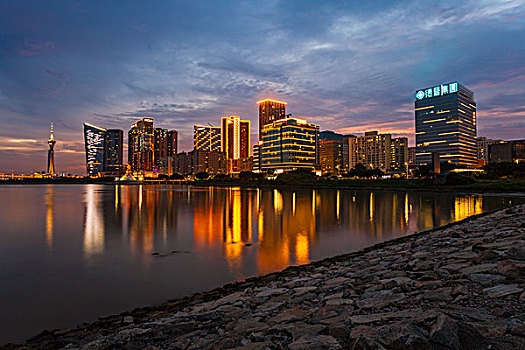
x,y
69,253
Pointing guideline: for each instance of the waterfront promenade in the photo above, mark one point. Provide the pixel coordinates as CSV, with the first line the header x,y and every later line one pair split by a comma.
x,y
456,287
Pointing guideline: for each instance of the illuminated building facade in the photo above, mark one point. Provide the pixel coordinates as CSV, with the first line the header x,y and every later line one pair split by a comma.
x,y
113,142
289,144
257,157
373,150
446,123
235,141
51,153
331,152
483,144
165,148
269,111
103,150
399,154
94,138
207,138
141,139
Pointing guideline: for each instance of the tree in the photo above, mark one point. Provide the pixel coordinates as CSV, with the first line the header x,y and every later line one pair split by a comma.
x,y
359,170
501,169
176,177
203,175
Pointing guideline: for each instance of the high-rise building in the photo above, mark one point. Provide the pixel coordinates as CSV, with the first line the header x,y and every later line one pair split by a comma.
x,y
141,139
331,152
446,123
172,142
207,138
257,157
103,150
289,144
411,155
51,153
94,142
165,148
373,150
113,142
399,154
483,144
269,111
235,141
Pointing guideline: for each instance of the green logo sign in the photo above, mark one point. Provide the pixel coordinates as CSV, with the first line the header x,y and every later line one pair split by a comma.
x,y
436,91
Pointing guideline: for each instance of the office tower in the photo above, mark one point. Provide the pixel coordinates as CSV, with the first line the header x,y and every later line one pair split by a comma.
x,y
235,141
399,155
165,148
373,150
94,142
51,153
141,140
288,144
172,142
446,124
207,138
113,145
331,152
411,155
483,144
507,151
269,111
160,148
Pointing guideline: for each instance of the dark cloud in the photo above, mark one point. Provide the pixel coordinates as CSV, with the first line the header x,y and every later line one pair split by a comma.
x,y
348,66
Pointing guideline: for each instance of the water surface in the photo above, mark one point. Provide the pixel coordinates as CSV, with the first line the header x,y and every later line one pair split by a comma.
x,y
69,253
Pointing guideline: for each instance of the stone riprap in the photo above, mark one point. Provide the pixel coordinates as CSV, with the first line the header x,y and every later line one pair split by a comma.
x,y
460,286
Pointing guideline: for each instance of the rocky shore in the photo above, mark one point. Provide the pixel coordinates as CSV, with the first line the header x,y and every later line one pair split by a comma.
x,y
460,286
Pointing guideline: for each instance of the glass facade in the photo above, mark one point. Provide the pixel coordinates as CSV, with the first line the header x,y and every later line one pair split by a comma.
x,y
446,124
94,137
207,138
289,144
113,143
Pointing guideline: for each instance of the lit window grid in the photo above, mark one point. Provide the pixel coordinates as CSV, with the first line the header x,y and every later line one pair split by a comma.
x,y
456,127
207,138
288,145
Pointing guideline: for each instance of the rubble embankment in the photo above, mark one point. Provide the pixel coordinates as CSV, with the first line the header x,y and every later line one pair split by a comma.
x,y
460,286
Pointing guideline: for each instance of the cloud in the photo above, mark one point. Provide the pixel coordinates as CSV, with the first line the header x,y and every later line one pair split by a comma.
x,y
347,66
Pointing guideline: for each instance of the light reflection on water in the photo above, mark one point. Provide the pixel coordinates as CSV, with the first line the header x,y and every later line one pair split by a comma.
x,y
69,253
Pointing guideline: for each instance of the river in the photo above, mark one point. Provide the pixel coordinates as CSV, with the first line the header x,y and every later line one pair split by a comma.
x,y
70,253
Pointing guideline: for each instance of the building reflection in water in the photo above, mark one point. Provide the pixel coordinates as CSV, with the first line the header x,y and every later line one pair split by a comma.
x,y
93,222
269,228
50,217
467,206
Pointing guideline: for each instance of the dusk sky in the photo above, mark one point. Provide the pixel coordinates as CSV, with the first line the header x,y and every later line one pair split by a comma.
x,y
349,66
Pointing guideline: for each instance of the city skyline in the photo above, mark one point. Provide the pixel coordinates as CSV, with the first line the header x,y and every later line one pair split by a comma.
x,y
343,71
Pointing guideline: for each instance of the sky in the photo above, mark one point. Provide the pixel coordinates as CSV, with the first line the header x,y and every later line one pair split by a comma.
x,y
349,66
